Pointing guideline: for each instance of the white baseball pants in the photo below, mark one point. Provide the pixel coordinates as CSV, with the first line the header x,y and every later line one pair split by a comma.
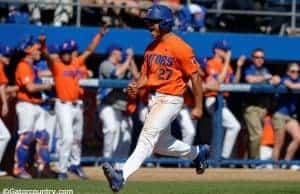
x,y
51,125
30,117
229,122
188,126
70,120
156,135
117,132
4,138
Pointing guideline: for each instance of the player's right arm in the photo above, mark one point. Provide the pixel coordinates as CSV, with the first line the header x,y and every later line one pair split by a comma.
x,y
50,59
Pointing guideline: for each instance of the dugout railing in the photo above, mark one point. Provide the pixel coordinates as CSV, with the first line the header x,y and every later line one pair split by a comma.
x,y
218,131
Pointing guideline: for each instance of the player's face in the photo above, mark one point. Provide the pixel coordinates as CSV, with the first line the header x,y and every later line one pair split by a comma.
x,y
36,55
66,58
153,27
293,71
258,58
5,60
118,55
220,53
74,54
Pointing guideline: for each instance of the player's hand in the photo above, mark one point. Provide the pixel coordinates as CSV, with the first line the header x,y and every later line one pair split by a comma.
x,y
132,90
4,110
196,113
275,80
42,39
103,30
129,52
241,61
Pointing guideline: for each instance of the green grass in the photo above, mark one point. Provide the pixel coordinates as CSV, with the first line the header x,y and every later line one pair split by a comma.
x,y
100,187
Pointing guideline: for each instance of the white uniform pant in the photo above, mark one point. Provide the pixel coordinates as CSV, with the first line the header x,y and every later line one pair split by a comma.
x,y
117,132
4,138
156,134
51,126
229,122
187,125
70,120
31,117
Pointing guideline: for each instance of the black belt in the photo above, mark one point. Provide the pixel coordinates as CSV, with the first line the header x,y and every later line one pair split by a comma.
x,y
72,103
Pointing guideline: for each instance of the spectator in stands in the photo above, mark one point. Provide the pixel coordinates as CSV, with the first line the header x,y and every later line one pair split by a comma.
x,y
191,17
218,68
258,105
63,12
284,120
15,16
116,125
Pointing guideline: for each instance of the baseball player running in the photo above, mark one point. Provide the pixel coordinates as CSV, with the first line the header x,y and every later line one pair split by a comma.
x,y
4,133
168,60
31,116
68,107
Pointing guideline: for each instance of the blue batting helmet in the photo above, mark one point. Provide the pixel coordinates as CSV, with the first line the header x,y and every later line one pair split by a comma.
x,y
65,47
161,13
73,44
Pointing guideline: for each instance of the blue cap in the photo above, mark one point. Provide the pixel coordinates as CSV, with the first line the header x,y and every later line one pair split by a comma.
x,y
65,47
5,50
221,44
73,44
53,48
113,47
28,41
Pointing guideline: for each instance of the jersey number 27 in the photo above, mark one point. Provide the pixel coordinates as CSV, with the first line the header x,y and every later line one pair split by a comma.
x,y
164,73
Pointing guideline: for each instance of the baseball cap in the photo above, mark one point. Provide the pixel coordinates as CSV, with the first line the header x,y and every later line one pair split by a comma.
x,y
5,50
65,47
28,44
73,44
113,47
221,44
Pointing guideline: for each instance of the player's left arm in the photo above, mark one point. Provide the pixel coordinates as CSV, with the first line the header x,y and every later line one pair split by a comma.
x,y
198,95
94,43
191,68
239,64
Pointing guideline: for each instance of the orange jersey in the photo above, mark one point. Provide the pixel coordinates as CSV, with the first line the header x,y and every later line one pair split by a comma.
x,y
167,63
3,78
66,78
25,75
213,70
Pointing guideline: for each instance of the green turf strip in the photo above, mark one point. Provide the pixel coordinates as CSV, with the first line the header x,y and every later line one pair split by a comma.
x,y
100,187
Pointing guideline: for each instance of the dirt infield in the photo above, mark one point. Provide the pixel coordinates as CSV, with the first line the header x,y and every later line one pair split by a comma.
x,y
188,174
